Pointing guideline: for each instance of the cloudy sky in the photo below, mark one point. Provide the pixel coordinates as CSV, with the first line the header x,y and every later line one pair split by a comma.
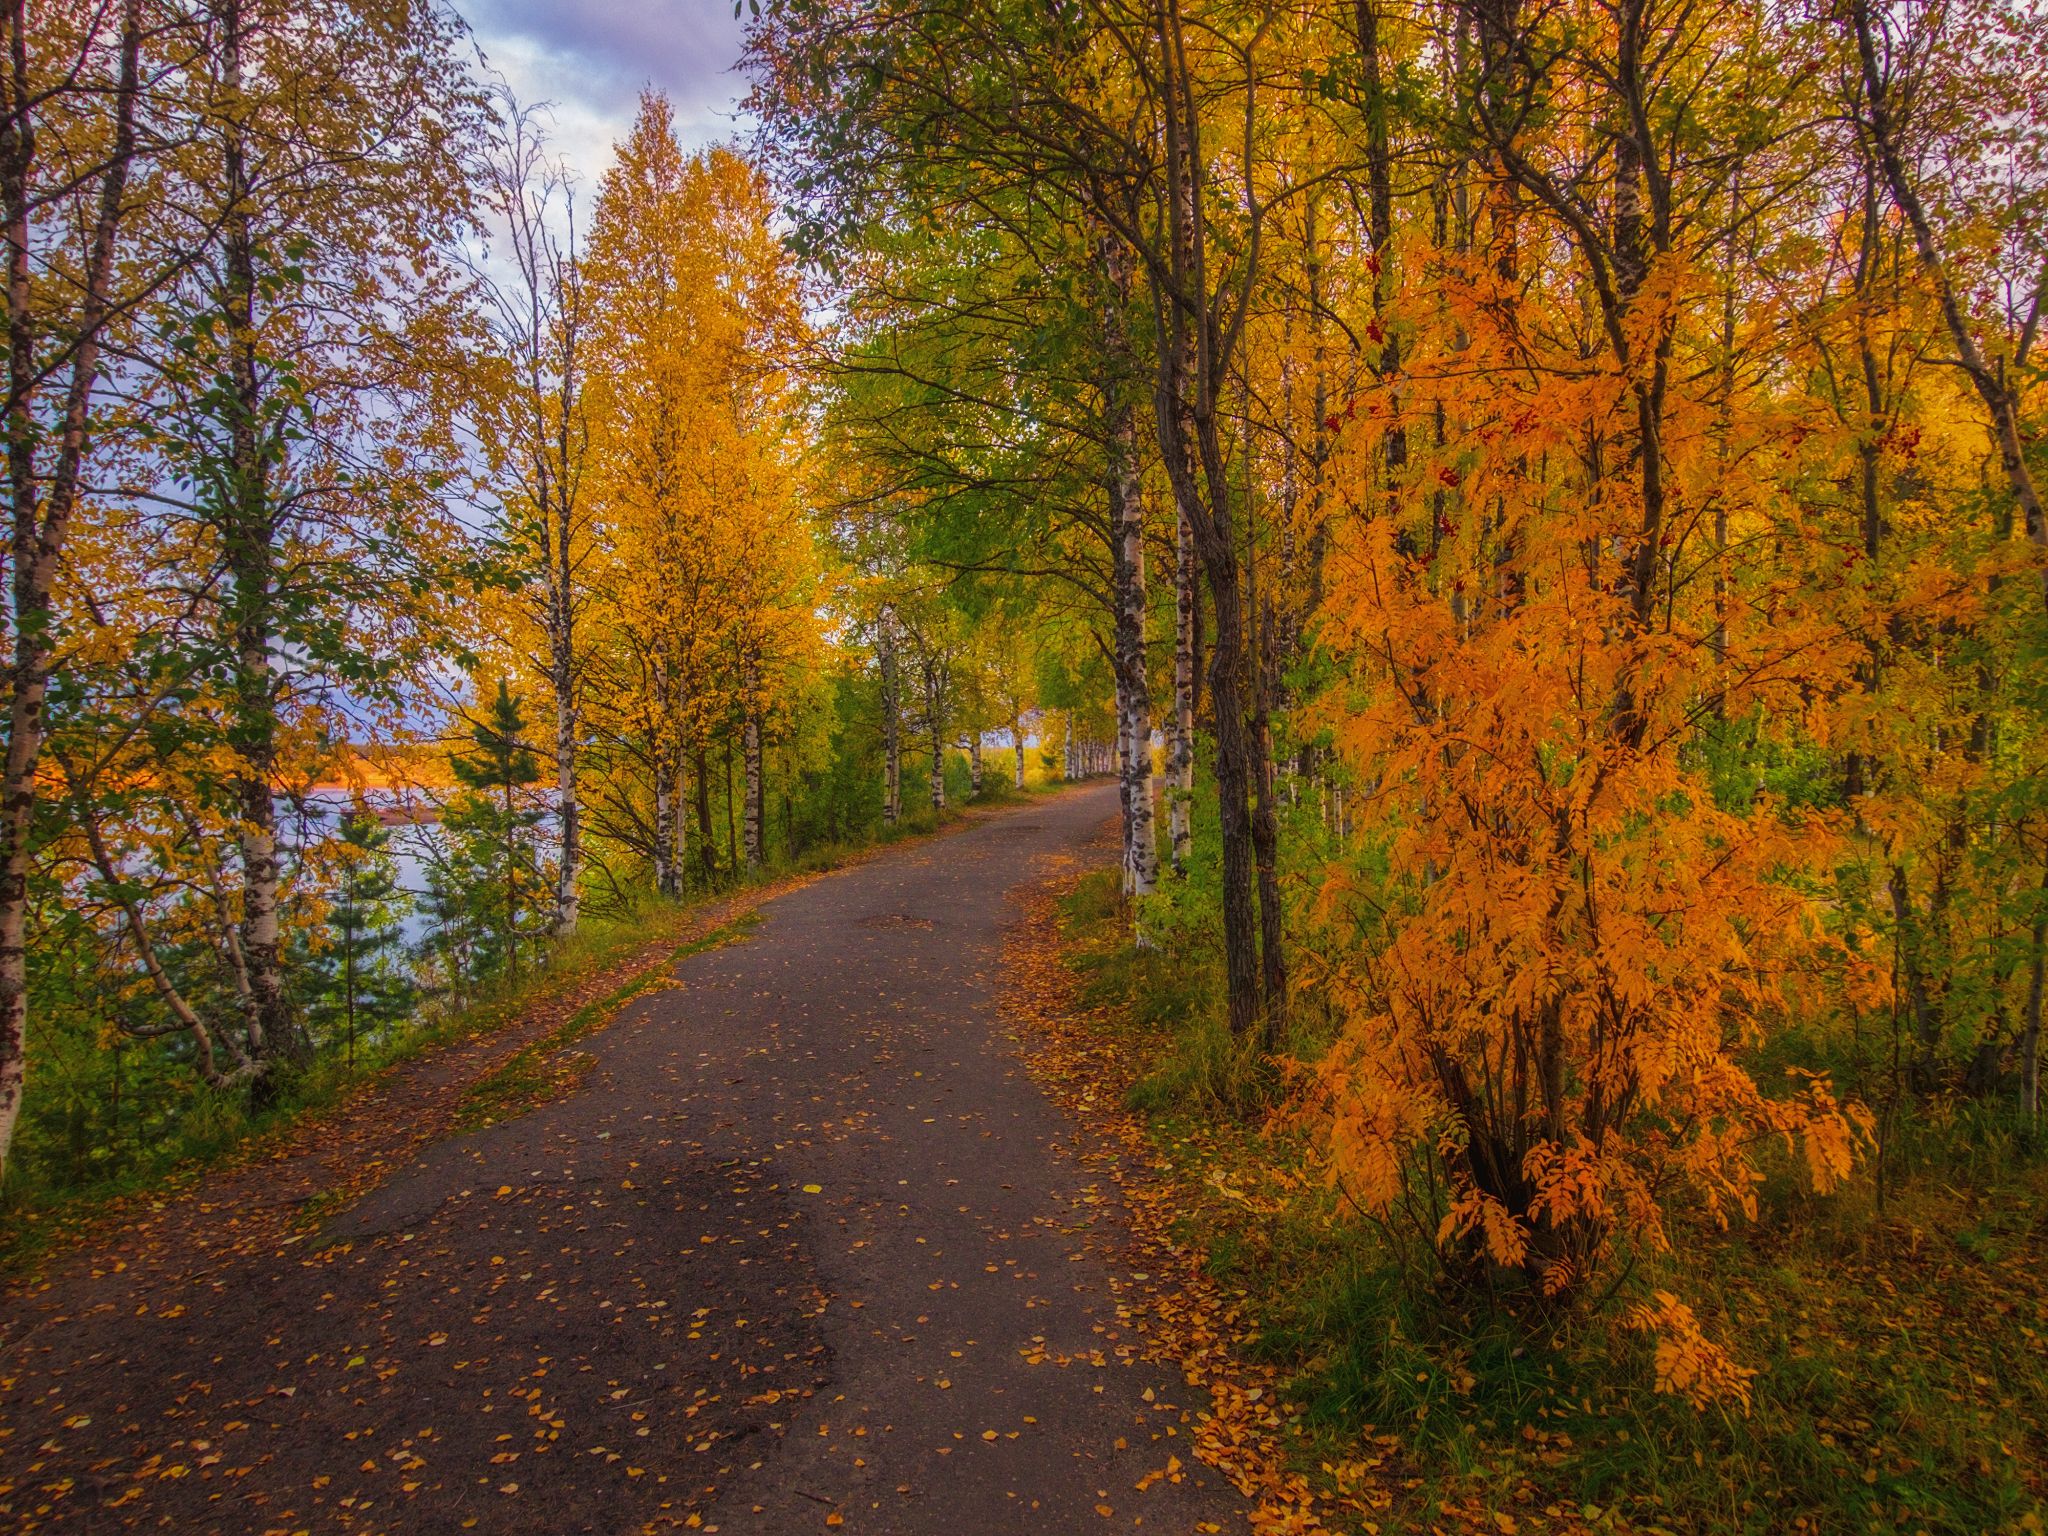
x,y
590,58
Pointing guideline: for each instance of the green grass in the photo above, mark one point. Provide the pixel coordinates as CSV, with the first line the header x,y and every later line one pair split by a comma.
x,y
1901,1357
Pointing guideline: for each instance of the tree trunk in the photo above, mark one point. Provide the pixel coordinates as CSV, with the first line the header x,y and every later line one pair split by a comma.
x,y
536,321
1134,697
1192,358
707,845
1180,743
1121,766
1133,756
668,809
1266,839
1017,743
732,832
754,825
39,521
679,827
250,541
348,969
568,810
511,927
892,715
664,812
1992,390
1233,793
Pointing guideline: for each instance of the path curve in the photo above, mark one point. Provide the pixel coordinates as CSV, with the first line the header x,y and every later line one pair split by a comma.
x,y
805,1251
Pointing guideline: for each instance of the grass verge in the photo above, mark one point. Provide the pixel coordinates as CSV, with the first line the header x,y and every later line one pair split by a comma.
x,y
213,1128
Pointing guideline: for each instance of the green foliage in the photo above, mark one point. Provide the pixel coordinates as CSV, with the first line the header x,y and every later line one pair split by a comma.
x,y
838,799
356,982
488,891
161,1124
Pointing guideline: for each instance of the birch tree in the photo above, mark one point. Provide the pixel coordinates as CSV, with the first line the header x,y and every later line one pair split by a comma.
x,y
50,192
533,423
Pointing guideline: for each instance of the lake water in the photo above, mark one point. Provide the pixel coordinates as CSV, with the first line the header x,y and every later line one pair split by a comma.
x,y
416,838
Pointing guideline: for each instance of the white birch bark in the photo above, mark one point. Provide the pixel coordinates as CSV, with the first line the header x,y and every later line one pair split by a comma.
x,y
752,830
666,812
40,507
1134,698
892,743
933,667
1180,741
252,567
679,829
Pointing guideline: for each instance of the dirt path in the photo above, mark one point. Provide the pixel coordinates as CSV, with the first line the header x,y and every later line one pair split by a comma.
x,y
804,1252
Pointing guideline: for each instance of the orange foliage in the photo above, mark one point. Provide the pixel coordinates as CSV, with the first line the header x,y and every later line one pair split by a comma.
x,y
1556,991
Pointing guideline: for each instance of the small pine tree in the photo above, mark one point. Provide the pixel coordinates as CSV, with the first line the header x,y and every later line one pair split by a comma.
x,y
358,981
446,958
494,881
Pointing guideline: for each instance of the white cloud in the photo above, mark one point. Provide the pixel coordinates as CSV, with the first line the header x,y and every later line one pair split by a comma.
x,y
590,59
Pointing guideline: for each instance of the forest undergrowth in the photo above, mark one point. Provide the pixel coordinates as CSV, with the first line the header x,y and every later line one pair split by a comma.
x,y
1901,1354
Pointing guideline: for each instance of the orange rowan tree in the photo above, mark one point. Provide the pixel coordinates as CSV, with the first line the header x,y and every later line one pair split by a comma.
x,y
1585,928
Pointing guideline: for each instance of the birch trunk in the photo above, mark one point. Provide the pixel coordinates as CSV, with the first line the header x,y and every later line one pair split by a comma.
x,y
1180,745
1132,757
1017,744
707,841
1134,697
251,563
1196,347
538,321
666,813
40,520
753,827
935,721
1137,768
568,809
1127,849
679,829
892,744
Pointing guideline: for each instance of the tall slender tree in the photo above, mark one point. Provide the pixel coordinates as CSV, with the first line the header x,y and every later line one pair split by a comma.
x,y
56,221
